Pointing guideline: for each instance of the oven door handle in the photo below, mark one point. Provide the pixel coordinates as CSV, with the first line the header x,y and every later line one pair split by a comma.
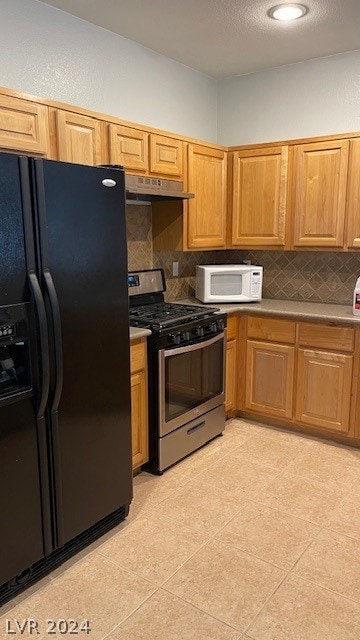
x,y
193,347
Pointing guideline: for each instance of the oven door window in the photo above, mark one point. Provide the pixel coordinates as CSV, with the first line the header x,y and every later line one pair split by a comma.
x,y
192,378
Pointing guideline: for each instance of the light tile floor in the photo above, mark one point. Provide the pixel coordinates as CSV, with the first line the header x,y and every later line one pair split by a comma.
x,y
256,536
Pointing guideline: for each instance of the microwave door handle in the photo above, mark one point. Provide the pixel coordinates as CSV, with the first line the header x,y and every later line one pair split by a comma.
x,y
193,347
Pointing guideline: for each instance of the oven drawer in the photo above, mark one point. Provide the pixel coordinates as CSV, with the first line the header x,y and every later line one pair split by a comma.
x,y
178,444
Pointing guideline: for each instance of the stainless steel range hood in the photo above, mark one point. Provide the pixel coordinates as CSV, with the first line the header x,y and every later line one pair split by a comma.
x,y
145,190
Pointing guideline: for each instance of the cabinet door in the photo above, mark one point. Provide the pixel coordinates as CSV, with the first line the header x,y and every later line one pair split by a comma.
x,y
353,196
129,148
269,378
166,156
24,126
259,197
207,211
139,426
79,138
320,174
230,389
324,389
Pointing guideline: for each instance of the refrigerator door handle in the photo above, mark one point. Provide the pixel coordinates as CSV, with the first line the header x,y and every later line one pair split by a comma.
x,y
44,345
55,309
48,283
35,288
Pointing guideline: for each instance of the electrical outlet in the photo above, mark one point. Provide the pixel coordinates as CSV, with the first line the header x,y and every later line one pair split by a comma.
x,y
175,269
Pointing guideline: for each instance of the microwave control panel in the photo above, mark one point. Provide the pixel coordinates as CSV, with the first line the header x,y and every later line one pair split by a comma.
x,y
256,280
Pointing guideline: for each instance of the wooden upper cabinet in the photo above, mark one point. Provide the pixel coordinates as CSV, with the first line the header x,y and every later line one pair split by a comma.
x,y
324,389
206,213
259,196
320,175
353,196
78,138
166,156
129,148
24,126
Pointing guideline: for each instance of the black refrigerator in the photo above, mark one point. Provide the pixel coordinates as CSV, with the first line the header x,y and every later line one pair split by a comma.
x,y
65,433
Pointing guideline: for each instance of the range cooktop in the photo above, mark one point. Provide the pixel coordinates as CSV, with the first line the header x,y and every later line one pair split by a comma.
x,y
164,314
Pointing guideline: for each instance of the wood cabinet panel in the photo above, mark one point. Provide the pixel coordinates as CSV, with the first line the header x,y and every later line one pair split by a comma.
x,y
137,356
139,423
270,378
129,148
353,196
166,156
320,175
24,126
207,211
259,197
231,327
139,403
271,329
324,389
325,337
78,138
230,379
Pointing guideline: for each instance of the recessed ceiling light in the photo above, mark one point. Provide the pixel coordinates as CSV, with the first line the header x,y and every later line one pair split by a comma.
x,y
286,12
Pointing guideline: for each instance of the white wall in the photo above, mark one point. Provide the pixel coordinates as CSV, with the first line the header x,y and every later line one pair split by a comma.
x,y
52,54
316,97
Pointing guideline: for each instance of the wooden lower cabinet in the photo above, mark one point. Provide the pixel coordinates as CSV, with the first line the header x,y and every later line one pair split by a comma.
x,y
312,382
139,404
230,376
232,364
270,378
139,419
323,391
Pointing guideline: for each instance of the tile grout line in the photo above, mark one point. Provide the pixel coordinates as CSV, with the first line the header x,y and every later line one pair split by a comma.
x,y
280,584
320,586
163,587
130,614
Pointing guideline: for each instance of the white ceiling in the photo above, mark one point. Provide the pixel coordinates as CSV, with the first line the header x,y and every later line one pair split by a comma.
x,y
223,38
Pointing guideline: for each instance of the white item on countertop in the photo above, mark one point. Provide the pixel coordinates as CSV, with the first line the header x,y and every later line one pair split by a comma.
x,y
356,299
229,283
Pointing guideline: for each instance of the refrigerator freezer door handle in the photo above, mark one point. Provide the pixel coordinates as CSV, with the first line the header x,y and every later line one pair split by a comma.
x,y
44,345
55,309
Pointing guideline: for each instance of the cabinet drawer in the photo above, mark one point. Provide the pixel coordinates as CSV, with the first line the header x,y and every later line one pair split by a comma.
x,y
231,327
326,337
137,356
129,147
271,329
166,155
24,126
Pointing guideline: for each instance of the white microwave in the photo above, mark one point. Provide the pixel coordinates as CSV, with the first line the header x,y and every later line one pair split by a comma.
x,y
229,283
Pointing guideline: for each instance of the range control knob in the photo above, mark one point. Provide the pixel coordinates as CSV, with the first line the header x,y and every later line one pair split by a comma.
x,y
198,332
174,338
220,324
212,327
185,336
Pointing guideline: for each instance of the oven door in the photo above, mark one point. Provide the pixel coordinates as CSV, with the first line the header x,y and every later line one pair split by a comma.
x,y
191,382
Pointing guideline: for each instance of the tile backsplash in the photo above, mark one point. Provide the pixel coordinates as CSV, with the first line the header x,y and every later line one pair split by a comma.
x,y
289,275
139,237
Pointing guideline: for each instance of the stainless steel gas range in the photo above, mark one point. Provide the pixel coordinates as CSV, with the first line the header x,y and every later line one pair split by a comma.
x,y
186,360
